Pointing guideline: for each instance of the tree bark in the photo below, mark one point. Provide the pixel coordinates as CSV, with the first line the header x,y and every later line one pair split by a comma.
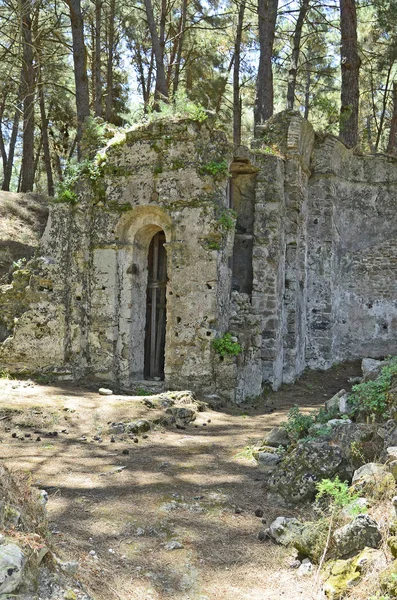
x,y
13,140
46,143
350,65
392,145
28,82
178,59
98,76
80,68
267,16
161,91
236,77
109,66
296,43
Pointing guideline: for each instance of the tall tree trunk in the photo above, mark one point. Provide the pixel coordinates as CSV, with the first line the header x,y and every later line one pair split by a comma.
x,y
109,66
3,150
98,77
80,68
13,140
178,58
27,177
296,44
236,77
384,107
46,143
392,145
350,65
161,91
267,16
307,86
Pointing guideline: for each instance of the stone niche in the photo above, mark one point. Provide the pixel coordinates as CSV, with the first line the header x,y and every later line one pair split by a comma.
x,y
290,246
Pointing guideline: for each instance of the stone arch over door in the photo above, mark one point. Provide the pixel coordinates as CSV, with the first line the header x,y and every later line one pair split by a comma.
x,y
135,232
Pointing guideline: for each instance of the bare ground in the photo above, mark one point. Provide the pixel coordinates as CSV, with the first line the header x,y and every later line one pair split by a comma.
x,y
182,485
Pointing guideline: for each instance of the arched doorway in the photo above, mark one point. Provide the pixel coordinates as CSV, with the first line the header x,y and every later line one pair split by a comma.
x,y
156,308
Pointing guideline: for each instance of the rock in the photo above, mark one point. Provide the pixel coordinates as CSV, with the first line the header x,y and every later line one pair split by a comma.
x,y
302,536
139,426
259,513
12,562
285,530
299,471
392,466
339,422
278,436
391,452
344,574
338,403
368,473
305,568
182,416
392,543
105,392
388,580
117,428
173,545
371,368
263,535
359,505
362,532
268,459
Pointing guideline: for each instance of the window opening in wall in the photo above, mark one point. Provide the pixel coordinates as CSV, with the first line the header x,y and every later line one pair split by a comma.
x,y
242,199
156,308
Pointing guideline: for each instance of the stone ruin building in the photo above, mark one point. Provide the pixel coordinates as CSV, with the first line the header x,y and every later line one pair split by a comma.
x,y
290,246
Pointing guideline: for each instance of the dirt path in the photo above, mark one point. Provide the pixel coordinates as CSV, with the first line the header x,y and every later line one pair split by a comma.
x,y
173,486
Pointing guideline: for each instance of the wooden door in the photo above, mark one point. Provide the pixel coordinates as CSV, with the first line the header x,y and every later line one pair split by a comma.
x,y
156,308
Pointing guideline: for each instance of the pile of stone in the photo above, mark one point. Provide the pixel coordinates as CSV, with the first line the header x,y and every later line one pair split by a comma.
x,y
362,536
28,566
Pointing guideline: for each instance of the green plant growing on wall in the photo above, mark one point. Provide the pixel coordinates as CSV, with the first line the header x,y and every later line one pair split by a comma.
x,y
225,346
227,219
216,169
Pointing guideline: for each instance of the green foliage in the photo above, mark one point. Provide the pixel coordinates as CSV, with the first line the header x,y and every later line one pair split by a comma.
x,y
227,220
298,424
179,107
89,170
224,346
93,137
19,264
337,491
372,398
216,169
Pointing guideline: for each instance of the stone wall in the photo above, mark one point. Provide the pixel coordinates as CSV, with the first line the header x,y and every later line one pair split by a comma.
x,y
302,273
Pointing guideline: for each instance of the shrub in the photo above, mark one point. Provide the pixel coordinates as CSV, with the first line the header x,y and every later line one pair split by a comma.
x,y
225,346
372,399
337,491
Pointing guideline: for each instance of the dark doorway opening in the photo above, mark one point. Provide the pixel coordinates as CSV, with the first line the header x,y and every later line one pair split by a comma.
x,y
156,308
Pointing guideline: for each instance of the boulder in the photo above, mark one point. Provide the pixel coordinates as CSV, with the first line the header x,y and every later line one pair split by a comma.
x,y
362,532
344,574
12,562
338,403
371,368
105,392
139,426
392,543
268,459
368,473
307,538
278,436
299,471
388,580
181,415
